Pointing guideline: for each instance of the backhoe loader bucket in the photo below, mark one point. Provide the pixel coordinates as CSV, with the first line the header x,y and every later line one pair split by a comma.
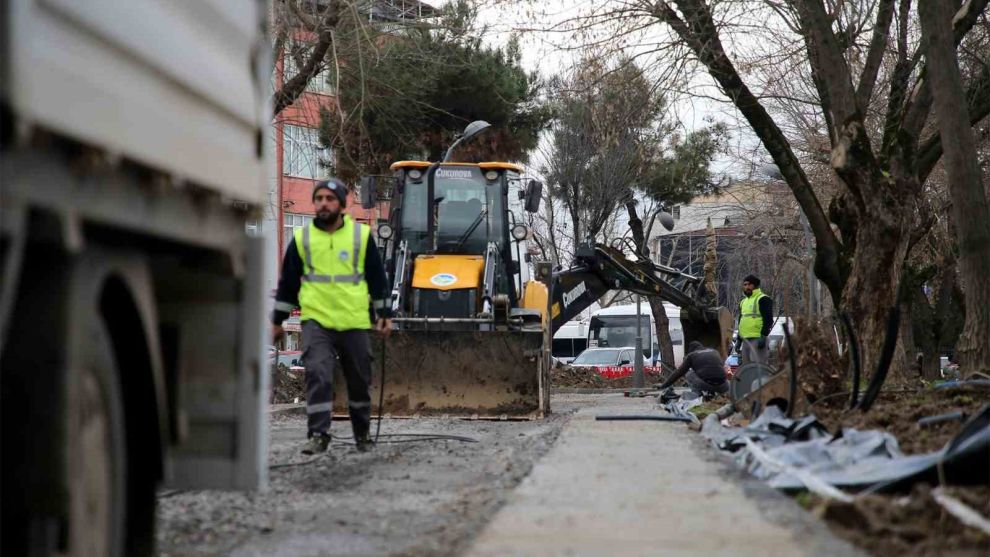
x,y
713,328
482,374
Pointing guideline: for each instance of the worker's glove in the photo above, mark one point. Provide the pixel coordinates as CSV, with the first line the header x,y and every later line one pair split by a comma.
x,y
761,343
669,395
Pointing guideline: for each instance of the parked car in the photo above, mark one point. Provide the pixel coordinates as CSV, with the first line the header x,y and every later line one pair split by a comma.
x,y
604,357
732,364
287,358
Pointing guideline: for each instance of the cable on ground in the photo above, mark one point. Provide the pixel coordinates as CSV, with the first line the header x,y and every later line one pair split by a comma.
x,y
293,464
349,440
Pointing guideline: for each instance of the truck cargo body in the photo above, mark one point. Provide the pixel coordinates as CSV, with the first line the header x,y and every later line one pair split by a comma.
x,y
132,300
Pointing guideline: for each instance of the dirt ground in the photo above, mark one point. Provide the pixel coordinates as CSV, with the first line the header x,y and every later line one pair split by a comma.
x,y
899,412
575,377
914,524
413,498
288,385
910,525
433,497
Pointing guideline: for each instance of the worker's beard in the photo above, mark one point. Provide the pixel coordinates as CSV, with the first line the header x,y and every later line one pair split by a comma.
x,y
326,218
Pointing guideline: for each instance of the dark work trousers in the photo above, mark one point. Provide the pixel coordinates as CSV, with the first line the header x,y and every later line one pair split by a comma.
x,y
751,353
700,385
321,349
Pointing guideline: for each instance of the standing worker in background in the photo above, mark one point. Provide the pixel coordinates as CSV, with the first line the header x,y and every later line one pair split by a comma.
x,y
333,272
755,320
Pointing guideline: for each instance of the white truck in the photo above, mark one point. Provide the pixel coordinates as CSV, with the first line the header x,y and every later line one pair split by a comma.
x,y
133,149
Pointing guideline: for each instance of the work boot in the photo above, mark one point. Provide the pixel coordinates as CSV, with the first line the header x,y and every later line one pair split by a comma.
x,y
364,443
317,444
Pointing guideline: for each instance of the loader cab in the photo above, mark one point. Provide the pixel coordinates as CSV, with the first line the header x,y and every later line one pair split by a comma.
x,y
469,205
454,254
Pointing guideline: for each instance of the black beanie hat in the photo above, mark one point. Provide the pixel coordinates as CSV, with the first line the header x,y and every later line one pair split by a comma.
x,y
694,346
752,280
336,185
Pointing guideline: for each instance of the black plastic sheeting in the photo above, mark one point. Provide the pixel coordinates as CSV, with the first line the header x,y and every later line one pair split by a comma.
x,y
860,461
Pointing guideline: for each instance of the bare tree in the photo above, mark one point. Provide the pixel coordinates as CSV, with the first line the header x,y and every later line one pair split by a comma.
x,y
969,199
863,233
316,21
613,148
593,152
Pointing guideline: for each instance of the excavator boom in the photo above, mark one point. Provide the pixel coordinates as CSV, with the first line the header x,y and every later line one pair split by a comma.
x,y
599,268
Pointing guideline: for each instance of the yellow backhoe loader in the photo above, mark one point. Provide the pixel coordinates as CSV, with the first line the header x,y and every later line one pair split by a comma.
x,y
471,328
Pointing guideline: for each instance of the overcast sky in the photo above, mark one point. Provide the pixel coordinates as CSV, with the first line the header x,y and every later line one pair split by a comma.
x,y
549,53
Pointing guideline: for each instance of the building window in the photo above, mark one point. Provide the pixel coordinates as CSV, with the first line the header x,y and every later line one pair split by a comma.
x,y
290,222
675,212
321,82
302,153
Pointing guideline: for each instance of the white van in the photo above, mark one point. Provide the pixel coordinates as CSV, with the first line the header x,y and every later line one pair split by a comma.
x,y
616,326
569,341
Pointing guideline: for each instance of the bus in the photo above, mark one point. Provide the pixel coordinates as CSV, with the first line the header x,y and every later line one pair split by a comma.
x,y
569,341
616,326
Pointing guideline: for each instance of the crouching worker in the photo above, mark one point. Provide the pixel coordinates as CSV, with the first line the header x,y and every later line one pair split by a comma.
x,y
703,370
334,273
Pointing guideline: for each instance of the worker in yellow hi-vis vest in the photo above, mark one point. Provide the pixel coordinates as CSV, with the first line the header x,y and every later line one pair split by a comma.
x,y
333,272
755,321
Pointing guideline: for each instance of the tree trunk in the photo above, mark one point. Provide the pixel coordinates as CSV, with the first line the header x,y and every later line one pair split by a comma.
x,y
711,261
576,227
925,331
884,203
970,208
948,311
906,355
636,227
663,333
871,292
656,304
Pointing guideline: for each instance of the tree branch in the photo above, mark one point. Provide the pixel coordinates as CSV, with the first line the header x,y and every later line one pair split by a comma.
x,y
294,87
878,45
827,61
920,101
698,30
930,150
898,81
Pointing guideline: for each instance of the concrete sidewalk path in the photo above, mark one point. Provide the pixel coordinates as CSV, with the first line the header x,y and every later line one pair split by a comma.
x,y
645,488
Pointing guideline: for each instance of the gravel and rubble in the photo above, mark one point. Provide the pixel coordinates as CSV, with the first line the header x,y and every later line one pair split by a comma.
x,y
907,524
288,384
411,498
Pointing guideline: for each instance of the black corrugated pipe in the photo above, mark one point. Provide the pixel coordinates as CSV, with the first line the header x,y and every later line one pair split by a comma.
x,y
856,365
886,356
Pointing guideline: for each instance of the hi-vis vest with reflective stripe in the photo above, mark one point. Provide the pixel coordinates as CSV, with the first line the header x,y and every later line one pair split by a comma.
x,y
334,292
750,320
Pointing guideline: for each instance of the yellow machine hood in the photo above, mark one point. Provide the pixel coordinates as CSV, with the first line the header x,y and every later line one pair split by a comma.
x,y
447,272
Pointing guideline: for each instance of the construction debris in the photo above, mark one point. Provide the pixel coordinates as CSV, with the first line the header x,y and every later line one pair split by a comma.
x,y
852,459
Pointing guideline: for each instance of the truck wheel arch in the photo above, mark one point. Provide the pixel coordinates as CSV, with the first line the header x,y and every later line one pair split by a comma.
x,y
127,306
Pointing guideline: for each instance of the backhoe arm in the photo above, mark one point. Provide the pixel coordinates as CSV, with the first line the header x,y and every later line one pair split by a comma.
x,y
600,268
